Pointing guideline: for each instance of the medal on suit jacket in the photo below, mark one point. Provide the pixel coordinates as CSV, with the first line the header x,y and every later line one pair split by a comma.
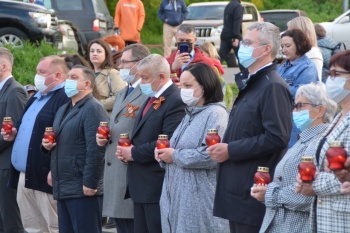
x,y
130,110
158,102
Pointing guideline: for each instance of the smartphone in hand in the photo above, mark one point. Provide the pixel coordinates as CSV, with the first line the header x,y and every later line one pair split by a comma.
x,y
184,48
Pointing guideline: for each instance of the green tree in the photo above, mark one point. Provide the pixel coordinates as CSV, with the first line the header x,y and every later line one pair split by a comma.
x,y
317,10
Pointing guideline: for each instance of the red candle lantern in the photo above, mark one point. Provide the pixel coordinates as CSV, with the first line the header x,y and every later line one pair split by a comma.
x,y
162,141
49,134
212,137
124,140
307,169
7,125
336,155
103,129
262,176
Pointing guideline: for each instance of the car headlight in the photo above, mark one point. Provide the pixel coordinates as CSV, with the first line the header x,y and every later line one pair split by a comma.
x,y
219,30
41,19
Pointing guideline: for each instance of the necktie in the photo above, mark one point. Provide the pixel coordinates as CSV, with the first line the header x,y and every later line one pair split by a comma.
x,y
149,104
130,90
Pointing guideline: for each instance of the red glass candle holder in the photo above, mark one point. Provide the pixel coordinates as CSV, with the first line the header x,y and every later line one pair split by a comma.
x,y
307,169
124,140
262,176
49,134
212,137
103,130
7,124
162,141
336,155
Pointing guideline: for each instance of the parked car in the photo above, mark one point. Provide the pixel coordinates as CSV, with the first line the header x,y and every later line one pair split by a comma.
x,y
208,19
339,29
69,36
281,17
90,18
23,21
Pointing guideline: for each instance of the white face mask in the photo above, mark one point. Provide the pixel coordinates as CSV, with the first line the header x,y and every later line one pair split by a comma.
x,y
188,98
39,82
335,88
126,76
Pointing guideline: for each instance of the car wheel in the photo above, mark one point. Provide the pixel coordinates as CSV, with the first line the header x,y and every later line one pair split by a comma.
x,y
12,36
231,60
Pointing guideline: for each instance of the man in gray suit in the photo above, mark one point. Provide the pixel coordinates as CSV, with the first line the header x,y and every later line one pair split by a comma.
x,y
12,100
126,107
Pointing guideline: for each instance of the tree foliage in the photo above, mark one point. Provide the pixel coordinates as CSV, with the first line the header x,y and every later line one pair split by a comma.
x,y
317,10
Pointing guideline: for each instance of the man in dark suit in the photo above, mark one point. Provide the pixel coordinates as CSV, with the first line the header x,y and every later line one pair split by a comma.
x,y
126,108
161,114
12,100
76,159
30,168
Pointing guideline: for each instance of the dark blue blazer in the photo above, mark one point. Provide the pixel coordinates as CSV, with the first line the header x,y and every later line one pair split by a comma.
x,y
38,164
144,175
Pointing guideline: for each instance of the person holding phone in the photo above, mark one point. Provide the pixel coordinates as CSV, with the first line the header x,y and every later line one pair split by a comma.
x,y
186,52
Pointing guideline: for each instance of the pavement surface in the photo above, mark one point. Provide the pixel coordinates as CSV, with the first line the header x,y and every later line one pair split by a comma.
x,y
229,74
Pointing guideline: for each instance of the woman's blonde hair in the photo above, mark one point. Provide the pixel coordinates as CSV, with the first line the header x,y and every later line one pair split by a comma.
x,y
209,49
305,24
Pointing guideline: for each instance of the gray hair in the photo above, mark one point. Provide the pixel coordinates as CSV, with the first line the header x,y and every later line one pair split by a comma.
x,y
156,64
138,51
7,55
317,95
269,34
305,24
186,28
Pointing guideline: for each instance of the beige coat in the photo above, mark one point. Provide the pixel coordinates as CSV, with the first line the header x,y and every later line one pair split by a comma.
x,y
102,91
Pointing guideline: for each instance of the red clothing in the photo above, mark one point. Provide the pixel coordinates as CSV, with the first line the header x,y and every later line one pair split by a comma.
x,y
198,57
129,18
218,65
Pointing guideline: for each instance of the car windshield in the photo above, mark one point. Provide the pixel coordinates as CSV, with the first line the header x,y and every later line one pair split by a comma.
x,y
280,19
205,12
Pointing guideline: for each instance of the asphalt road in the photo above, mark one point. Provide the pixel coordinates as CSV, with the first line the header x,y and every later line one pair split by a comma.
x,y
229,74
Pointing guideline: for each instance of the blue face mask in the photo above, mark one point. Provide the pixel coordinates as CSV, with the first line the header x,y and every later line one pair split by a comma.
x,y
302,119
147,88
245,55
70,88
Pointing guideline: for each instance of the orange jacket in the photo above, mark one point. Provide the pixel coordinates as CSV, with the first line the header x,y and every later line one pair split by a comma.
x,y
129,18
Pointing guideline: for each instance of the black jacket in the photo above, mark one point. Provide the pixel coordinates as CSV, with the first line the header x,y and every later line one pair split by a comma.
x,y
257,134
233,16
145,176
12,100
38,165
77,160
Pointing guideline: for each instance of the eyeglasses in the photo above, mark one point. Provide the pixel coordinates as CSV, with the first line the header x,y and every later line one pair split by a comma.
x,y
247,43
300,105
123,62
335,73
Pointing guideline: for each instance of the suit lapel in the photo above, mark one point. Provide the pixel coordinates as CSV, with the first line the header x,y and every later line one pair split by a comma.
x,y
6,85
129,99
141,120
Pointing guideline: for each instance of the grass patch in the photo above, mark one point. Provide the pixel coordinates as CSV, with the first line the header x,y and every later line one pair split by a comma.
x,y
27,58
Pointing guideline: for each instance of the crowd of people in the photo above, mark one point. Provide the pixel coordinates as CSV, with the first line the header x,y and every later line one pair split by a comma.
x,y
69,182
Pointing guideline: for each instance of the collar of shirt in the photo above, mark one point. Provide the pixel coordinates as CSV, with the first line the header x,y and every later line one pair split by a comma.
x,y
160,92
135,83
309,133
4,81
249,75
40,96
296,61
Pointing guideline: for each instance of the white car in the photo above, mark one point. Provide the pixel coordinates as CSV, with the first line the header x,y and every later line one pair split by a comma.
x,y
208,19
339,29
